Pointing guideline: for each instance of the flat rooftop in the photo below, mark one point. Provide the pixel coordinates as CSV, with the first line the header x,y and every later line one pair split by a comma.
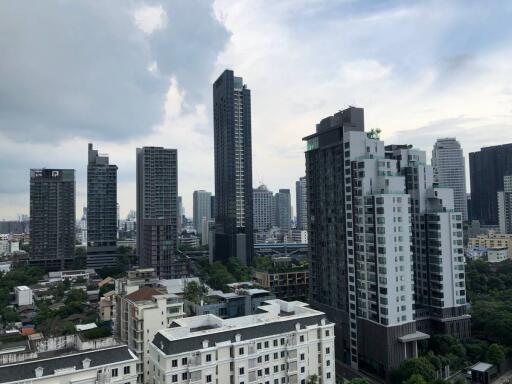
x,y
275,317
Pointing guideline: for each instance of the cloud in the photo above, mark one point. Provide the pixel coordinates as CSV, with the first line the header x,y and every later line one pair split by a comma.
x,y
148,18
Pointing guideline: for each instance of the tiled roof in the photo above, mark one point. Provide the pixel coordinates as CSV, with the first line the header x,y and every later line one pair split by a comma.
x,y
143,294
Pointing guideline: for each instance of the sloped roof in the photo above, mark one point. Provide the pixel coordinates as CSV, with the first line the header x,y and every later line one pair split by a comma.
x,y
143,294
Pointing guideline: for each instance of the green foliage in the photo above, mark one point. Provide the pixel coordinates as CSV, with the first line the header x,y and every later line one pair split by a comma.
x,y
495,354
194,292
96,333
106,288
265,264
9,315
313,379
239,271
415,379
374,133
219,276
417,366
358,381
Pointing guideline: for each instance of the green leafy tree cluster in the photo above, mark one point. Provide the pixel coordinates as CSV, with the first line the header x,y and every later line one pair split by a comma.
x,y
194,292
418,366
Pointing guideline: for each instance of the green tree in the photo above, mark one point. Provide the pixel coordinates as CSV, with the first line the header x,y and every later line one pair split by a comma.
x,y
358,381
313,379
219,276
9,315
194,292
415,379
239,271
420,365
495,354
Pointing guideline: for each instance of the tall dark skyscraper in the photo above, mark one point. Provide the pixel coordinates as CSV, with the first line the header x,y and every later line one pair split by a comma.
x,y
101,210
233,169
52,217
283,210
157,211
486,169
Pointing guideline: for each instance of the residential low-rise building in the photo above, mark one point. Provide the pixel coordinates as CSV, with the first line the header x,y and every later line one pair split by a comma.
x,y
286,285
240,302
287,342
23,295
139,315
493,240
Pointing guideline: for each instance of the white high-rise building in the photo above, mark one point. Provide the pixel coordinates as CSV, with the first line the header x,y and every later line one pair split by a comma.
x,y
505,206
202,209
286,343
450,171
262,208
437,247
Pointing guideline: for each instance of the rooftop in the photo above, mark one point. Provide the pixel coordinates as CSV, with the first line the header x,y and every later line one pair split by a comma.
x,y
144,294
277,316
21,371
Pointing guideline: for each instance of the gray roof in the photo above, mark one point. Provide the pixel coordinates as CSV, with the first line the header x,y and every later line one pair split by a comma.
x,y
188,344
26,370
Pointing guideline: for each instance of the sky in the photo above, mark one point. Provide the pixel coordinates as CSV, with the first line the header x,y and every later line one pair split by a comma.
x,y
124,74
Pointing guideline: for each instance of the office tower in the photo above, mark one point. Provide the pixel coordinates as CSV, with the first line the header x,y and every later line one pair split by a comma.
x,y
360,244
437,244
233,168
102,211
450,171
283,209
180,211
52,217
82,227
487,168
286,342
212,207
301,203
202,208
157,187
262,208
505,206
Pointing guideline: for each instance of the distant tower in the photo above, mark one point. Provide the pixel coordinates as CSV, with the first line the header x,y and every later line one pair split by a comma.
x,y
157,211
262,208
505,206
102,211
283,209
301,203
201,208
233,169
52,218
450,171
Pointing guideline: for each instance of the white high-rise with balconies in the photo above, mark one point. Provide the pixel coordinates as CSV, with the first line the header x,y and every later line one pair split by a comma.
x,y
450,171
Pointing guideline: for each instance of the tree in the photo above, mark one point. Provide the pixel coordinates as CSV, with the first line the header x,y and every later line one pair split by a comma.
x,y
495,354
415,379
9,315
240,271
358,381
219,276
194,292
419,365
313,379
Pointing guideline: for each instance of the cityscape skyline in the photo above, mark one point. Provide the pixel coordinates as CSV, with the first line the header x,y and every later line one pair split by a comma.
x,y
180,117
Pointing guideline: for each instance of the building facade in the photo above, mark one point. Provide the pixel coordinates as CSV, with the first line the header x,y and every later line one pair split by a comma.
x,y
360,244
52,217
286,285
492,240
139,316
505,205
262,211
487,168
233,169
450,171
202,209
101,211
437,244
301,203
283,210
157,187
285,343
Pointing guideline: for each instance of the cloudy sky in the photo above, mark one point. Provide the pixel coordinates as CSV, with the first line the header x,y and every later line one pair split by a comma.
x,y
124,74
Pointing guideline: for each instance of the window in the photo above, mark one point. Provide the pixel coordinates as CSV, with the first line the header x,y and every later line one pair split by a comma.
x,y
302,369
174,363
302,356
267,371
260,359
241,371
266,344
301,338
241,351
275,342
208,358
267,357
184,376
258,346
276,356
126,370
328,363
260,373
328,375
114,372
327,350
184,361
282,341
276,368
282,354
327,333
208,378
174,378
